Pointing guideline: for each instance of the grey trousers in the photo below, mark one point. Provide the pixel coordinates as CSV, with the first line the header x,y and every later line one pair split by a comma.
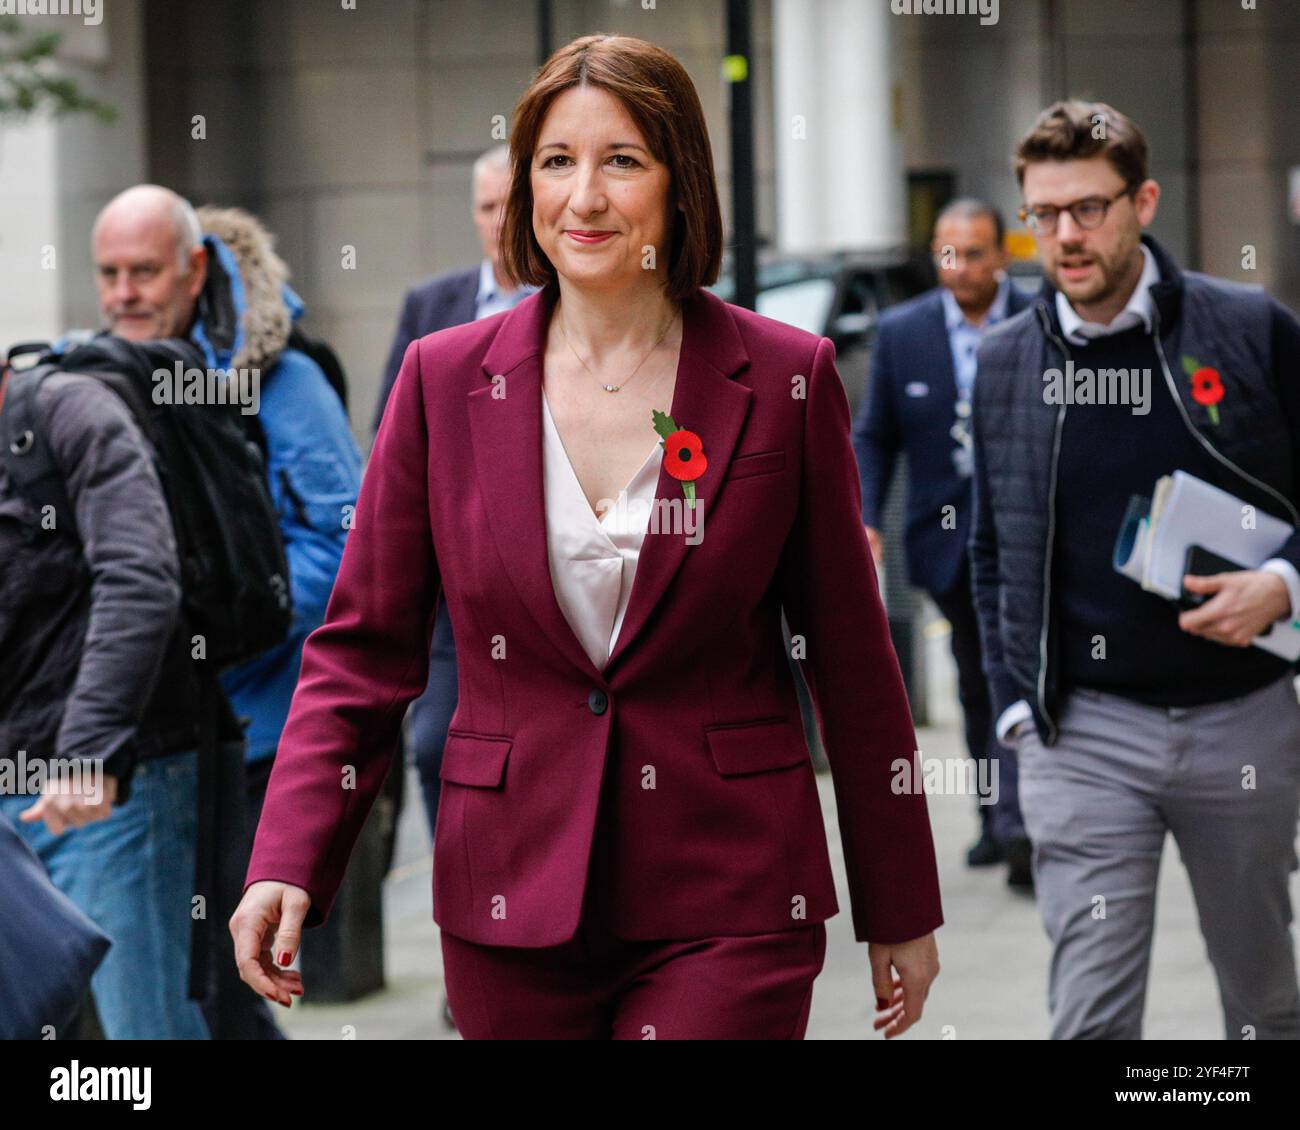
x,y
1225,780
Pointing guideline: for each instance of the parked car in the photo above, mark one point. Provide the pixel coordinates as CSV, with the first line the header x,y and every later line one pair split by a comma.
x,y
1027,274
838,295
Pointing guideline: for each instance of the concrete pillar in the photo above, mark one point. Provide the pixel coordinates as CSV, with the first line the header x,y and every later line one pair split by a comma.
x,y
55,173
1247,61
29,232
840,179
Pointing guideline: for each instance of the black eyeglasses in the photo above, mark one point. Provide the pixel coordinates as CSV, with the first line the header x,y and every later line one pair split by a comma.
x,y
1088,213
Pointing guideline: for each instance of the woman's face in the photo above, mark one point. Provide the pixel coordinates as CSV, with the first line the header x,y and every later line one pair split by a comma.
x,y
600,199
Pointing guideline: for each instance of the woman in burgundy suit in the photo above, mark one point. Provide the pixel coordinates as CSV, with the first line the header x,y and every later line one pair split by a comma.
x,y
629,841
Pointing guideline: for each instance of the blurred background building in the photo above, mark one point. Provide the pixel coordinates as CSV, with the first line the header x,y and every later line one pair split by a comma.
x,y
354,127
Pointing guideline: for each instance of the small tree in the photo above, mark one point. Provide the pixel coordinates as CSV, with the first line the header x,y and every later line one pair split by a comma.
x,y
29,80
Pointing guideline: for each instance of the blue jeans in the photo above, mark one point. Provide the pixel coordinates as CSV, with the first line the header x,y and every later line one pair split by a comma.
x,y
133,875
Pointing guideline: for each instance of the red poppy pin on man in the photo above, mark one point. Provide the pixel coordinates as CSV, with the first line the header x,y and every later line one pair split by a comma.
x,y
683,453
1207,386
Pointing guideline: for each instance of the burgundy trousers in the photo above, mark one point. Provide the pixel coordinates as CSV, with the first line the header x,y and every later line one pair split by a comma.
x,y
597,987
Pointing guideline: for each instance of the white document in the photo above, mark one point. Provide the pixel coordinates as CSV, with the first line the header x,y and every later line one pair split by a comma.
x,y
1196,513
1187,511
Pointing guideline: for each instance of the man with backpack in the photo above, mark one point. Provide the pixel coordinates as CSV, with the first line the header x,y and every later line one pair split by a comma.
x,y
273,533
96,672
242,318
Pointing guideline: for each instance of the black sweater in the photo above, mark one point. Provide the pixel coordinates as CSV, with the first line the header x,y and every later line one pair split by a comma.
x,y
1107,455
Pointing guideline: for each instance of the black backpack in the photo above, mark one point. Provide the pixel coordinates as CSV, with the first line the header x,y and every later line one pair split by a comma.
x,y
212,464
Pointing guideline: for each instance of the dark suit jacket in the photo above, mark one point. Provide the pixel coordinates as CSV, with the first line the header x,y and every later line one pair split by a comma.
x,y
909,407
448,300
689,743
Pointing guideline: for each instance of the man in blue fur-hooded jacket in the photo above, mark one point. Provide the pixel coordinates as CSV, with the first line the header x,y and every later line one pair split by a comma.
x,y
159,275
243,323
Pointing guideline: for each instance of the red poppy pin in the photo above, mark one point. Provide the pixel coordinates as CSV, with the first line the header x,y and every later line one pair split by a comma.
x,y
1207,386
683,453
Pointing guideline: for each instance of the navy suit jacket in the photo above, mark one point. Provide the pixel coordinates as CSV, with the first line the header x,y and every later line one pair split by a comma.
x,y
911,390
448,300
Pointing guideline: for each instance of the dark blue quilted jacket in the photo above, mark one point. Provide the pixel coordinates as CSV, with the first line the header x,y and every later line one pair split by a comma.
x,y
1254,343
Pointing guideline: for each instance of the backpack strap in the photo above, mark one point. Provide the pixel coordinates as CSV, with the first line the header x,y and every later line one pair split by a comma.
x,y
24,446
127,368
122,366
27,349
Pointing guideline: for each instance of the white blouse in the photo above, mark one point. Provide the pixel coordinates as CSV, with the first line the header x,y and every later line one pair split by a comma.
x,y
593,560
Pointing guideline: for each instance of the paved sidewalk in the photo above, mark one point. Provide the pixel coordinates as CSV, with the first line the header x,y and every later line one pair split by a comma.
x,y
992,948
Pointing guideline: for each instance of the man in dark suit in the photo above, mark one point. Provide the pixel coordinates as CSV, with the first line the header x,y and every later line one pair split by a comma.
x,y
918,403
451,300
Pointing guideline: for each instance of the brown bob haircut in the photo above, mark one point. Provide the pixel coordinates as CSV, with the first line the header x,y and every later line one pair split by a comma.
x,y
661,99
1069,130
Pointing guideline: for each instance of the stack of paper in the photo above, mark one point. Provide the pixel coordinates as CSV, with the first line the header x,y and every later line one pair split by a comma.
x,y
1184,511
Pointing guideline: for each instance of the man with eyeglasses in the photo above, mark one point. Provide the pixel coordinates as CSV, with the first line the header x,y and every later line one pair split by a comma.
x,y
1132,719
918,403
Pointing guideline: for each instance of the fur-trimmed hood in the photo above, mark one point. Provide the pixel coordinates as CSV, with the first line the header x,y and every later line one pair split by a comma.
x,y
261,300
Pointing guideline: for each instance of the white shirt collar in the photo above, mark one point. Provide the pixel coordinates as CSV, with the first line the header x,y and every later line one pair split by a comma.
x,y
487,281
1139,311
953,315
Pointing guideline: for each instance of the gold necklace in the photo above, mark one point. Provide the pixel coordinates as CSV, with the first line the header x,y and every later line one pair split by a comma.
x,y
608,387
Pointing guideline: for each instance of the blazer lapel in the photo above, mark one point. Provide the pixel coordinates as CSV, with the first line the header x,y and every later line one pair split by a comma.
x,y
708,402
505,417
945,375
465,305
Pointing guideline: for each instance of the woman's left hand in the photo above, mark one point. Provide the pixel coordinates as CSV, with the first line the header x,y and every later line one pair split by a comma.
x,y
901,997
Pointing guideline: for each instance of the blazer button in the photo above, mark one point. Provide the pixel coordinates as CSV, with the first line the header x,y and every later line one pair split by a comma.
x,y
597,701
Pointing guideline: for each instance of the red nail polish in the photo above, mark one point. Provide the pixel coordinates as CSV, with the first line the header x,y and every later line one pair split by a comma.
x,y
285,957
881,1003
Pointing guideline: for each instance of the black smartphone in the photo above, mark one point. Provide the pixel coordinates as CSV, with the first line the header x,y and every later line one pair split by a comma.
x,y
1201,562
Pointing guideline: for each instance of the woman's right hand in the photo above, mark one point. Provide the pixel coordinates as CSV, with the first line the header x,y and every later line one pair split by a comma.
x,y
268,924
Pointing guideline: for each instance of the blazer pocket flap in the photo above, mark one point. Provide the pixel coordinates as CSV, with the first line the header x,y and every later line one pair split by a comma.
x,y
474,759
756,463
755,747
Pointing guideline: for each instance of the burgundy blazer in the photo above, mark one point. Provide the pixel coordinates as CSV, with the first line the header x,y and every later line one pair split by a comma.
x,y
689,742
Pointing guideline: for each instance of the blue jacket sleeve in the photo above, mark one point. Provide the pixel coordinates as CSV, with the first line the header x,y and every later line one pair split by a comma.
x,y
876,438
314,469
407,331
